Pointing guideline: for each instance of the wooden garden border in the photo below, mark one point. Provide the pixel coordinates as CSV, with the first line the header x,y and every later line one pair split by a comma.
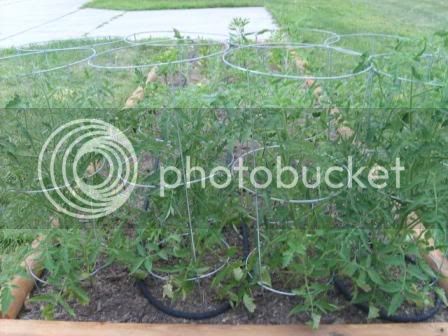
x,y
62,328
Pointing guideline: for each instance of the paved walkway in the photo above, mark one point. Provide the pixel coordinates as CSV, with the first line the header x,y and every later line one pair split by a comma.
x,y
26,21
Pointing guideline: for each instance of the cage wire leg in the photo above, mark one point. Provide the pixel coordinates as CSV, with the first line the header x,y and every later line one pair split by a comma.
x,y
257,209
190,223
286,61
369,88
189,212
330,62
187,69
429,67
330,83
42,86
372,45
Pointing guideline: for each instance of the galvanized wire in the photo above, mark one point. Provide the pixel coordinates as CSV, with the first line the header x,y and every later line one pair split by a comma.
x,y
45,52
332,40
281,45
91,63
156,35
96,42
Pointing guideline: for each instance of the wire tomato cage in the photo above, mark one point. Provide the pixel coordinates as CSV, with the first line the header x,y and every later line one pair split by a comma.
x,y
290,46
374,44
167,146
174,43
160,275
168,36
299,35
28,61
427,69
27,157
303,203
174,59
415,81
68,44
293,67
316,74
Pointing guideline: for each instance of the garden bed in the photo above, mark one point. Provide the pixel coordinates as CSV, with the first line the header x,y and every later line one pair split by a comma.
x,y
114,297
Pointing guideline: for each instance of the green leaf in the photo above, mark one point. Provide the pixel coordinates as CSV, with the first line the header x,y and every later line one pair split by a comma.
x,y
168,290
66,306
422,51
395,303
373,313
148,264
265,276
416,74
163,254
350,268
47,298
315,320
249,303
84,276
81,295
48,312
287,258
393,260
6,298
137,264
441,294
238,273
177,33
391,287
375,277
424,266
139,274
14,102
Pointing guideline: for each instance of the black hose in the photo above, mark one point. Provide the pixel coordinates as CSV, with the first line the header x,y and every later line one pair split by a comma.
x,y
405,318
222,308
179,313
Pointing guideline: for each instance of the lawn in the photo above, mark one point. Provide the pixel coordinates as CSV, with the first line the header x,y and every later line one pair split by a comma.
x,y
170,4
410,17
416,18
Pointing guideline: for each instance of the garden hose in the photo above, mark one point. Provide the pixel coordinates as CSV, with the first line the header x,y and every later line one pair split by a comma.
x,y
179,313
224,307
405,318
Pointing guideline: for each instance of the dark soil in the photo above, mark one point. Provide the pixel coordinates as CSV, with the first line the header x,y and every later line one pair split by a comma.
x,y
114,297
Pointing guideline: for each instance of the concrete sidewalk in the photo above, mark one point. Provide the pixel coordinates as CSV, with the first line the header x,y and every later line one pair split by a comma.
x,y
27,21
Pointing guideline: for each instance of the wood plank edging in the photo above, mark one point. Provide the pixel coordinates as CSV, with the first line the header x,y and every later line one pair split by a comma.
x,y
63,328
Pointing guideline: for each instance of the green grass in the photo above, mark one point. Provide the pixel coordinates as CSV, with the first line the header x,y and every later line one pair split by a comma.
x,y
170,4
410,17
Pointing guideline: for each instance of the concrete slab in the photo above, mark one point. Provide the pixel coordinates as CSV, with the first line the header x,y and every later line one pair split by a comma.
x,y
207,20
25,21
20,16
